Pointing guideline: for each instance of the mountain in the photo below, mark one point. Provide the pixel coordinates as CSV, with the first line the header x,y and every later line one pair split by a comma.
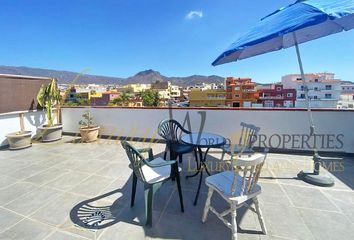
x,y
147,76
62,76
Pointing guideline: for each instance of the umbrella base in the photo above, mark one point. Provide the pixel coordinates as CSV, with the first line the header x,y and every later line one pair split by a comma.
x,y
316,179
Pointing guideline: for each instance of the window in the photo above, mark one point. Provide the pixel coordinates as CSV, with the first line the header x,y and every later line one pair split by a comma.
x,y
289,94
328,95
315,97
328,87
302,96
237,88
278,88
302,87
316,79
265,94
236,104
353,97
268,103
315,88
237,96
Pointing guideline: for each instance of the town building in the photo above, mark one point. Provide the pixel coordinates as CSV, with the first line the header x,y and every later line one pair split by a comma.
x,y
175,92
137,87
324,89
207,98
78,94
166,90
205,86
346,101
240,92
277,96
104,99
163,88
347,88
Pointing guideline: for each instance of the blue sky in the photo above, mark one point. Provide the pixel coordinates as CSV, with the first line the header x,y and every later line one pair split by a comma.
x,y
175,37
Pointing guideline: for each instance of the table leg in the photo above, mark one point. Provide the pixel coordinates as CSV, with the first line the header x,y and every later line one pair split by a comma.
x,y
198,162
202,166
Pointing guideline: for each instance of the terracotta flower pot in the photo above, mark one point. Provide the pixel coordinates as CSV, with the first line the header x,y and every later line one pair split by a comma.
x,y
50,134
89,134
19,140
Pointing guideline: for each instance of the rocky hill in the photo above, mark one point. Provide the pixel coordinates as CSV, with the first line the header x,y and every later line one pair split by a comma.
x,y
147,76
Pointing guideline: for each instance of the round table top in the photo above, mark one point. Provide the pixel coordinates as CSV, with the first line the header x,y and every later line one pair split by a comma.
x,y
204,139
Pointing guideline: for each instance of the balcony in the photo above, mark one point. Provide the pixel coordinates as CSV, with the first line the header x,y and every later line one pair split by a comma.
x,y
272,97
58,190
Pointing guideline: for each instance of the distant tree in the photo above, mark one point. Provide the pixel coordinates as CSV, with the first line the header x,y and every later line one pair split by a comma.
x,y
128,91
83,102
125,98
122,100
115,102
150,97
70,103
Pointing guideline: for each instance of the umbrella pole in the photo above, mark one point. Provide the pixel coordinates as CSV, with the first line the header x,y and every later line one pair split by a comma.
x,y
311,177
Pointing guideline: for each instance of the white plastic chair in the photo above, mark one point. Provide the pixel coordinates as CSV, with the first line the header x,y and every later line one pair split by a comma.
x,y
236,187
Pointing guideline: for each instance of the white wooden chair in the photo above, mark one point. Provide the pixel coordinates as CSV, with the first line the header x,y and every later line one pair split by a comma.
x,y
248,137
236,187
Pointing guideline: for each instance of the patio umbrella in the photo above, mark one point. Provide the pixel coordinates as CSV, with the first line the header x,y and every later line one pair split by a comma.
x,y
302,21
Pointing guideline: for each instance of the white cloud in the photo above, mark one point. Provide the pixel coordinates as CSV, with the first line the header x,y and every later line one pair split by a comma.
x,y
194,14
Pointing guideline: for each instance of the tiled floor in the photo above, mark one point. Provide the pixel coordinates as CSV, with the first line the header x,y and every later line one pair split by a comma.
x,y
49,190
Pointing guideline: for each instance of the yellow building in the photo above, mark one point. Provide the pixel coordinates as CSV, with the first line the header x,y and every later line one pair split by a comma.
x,y
207,98
136,88
94,94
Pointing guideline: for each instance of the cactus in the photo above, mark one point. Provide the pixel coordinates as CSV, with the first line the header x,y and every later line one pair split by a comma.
x,y
48,97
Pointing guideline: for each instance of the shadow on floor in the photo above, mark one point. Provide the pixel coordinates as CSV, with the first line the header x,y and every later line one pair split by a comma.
x,y
89,214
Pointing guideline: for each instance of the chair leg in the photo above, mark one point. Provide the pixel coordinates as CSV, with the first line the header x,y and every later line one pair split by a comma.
x,y
260,216
133,190
233,221
148,205
174,169
165,155
207,205
179,190
180,158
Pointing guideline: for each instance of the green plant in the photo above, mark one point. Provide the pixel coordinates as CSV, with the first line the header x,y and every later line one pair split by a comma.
x,y
48,97
150,97
87,120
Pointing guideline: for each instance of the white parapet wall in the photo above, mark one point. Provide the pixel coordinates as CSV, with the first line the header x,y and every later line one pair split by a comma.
x,y
10,122
280,128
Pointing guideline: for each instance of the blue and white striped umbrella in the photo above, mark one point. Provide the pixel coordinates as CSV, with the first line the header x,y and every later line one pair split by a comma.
x,y
297,23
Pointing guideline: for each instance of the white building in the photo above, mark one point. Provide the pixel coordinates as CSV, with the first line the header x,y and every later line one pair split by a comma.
x,y
346,101
347,88
324,90
205,86
175,92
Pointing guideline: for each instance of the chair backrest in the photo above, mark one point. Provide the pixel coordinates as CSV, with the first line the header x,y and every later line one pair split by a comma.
x,y
135,158
247,169
171,130
249,134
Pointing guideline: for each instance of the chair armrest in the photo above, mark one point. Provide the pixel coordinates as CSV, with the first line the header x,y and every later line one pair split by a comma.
x,y
149,150
166,163
185,130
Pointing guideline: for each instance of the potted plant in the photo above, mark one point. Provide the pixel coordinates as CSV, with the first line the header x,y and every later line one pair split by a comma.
x,y
48,97
20,139
88,131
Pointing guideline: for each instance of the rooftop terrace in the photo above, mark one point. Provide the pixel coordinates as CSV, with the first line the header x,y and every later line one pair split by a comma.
x,y
60,190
